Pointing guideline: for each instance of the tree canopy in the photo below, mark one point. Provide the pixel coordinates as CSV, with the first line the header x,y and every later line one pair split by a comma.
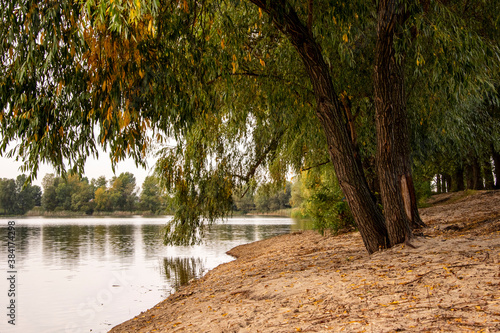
x,y
234,90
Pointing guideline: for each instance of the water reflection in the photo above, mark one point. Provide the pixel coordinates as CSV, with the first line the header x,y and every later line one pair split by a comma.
x,y
69,267
179,271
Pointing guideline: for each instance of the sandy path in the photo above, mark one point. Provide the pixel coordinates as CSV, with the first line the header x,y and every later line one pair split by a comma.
x,y
304,282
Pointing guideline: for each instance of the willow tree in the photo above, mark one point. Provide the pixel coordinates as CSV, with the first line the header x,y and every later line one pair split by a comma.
x,y
240,87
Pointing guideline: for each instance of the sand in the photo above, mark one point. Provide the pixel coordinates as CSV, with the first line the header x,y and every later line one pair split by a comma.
x,y
305,282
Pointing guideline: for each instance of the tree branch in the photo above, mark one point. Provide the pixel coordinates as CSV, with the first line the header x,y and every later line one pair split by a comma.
x,y
310,16
315,166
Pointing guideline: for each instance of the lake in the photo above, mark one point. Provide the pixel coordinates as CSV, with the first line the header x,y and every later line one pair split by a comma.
x,y
90,274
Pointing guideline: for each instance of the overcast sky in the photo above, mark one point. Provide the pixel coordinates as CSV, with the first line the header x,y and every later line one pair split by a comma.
x,y
9,168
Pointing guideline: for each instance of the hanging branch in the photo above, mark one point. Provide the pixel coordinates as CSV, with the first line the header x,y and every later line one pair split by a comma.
x,y
315,166
310,16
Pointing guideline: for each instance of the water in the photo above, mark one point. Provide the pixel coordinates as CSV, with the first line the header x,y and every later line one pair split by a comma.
x,y
90,274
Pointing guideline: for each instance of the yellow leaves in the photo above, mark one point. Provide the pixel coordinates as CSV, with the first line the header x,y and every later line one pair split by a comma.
x,y
109,114
61,131
420,61
124,120
262,63
235,64
260,13
59,88
345,38
186,6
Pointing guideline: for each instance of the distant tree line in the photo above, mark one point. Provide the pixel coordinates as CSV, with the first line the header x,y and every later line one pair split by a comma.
x,y
78,194
17,199
263,198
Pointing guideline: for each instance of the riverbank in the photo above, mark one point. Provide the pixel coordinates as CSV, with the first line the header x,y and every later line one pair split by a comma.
x,y
310,283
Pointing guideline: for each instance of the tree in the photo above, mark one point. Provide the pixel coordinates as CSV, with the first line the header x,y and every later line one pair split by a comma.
x,y
49,197
225,80
150,198
122,192
27,195
8,197
102,200
17,197
82,200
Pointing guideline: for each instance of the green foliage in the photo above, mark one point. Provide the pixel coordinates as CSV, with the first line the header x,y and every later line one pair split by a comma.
x,y
17,197
271,197
219,80
152,199
79,195
323,200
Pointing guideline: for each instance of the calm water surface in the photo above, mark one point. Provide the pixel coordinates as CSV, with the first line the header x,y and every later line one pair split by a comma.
x,y
90,274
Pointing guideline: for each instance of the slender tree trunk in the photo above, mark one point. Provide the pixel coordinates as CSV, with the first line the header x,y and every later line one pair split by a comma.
x,y
439,186
447,182
393,149
496,162
469,176
489,182
330,112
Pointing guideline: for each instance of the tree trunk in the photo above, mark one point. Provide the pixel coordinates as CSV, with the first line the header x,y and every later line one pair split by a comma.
x,y
477,179
439,186
496,162
469,176
489,182
393,149
446,182
329,110
458,181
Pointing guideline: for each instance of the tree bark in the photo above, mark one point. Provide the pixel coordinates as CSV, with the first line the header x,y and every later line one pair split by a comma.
x,y
447,181
496,162
393,149
477,179
489,182
458,179
330,112
439,185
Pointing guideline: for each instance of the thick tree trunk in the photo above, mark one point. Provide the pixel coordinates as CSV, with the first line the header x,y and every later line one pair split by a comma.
x,y
477,179
393,150
458,179
330,112
439,184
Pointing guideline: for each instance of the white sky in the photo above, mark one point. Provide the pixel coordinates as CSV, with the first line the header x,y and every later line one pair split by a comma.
x,y
9,168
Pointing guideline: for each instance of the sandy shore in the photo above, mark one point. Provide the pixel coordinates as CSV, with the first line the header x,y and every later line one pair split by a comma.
x,y
304,282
